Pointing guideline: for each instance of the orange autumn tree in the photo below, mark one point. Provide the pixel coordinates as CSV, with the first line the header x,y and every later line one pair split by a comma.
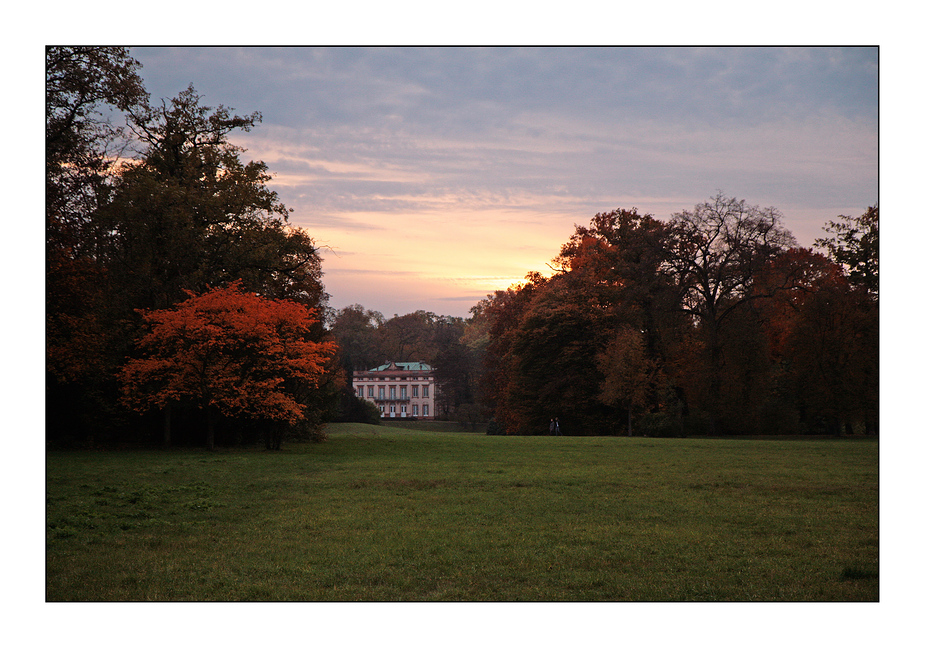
x,y
229,351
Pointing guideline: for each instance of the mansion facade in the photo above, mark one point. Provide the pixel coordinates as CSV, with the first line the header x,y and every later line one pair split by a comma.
x,y
399,389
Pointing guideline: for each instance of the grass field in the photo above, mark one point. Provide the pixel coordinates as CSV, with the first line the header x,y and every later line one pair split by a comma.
x,y
399,514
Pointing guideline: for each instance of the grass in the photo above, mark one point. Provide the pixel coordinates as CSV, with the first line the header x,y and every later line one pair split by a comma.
x,y
399,514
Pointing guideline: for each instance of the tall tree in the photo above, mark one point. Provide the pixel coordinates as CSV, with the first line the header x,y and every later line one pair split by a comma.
x,y
454,368
714,253
190,214
86,88
617,265
409,337
500,315
825,335
173,208
230,351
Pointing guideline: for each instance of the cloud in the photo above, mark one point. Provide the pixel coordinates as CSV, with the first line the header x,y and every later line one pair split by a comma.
x,y
450,162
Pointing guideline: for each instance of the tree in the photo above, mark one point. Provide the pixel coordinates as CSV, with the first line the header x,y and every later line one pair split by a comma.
x,y
500,315
138,215
855,244
190,214
824,333
454,364
617,266
230,351
714,254
83,85
409,337
85,88
629,373
357,333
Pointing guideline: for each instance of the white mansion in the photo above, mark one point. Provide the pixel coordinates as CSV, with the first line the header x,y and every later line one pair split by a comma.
x,y
400,389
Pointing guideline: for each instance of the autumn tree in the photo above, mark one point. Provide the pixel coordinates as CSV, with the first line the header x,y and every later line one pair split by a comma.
x,y
356,330
617,266
714,317
824,335
629,373
227,351
499,315
714,253
454,366
409,337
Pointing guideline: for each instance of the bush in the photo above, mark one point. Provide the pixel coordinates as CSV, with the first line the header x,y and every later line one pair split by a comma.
x,y
352,409
660,424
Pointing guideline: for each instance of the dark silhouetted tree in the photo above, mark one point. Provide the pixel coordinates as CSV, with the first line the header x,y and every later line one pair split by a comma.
x,y
714,253
854,242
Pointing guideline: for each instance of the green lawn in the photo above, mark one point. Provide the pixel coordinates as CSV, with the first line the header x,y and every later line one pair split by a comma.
x,y
398,514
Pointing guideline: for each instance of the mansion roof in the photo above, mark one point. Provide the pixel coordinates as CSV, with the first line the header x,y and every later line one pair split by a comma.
x,y
403,366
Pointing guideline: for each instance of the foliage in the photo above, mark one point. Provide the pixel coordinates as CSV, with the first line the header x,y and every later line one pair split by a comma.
x,y
713,322
826,336
86,88
628,372
855,244
82,85
353,409
239,353
137,216
190,214
357,333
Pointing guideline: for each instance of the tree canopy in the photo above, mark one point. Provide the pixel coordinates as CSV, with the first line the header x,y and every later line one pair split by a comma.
x,y
714,322
139,215
237,352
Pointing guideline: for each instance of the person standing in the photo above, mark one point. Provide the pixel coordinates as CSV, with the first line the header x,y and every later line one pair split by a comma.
x,y
556,423
552,427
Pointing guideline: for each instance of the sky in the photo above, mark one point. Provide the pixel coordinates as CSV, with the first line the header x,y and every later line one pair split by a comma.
x,y
431,177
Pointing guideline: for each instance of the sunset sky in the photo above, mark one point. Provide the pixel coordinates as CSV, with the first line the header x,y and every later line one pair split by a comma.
x,y
433,176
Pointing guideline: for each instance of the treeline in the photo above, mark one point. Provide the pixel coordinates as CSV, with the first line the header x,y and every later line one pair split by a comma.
x,y
713,322
166,255
140,219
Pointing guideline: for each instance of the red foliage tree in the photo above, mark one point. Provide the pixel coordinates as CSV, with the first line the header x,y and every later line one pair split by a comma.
x,y
227,350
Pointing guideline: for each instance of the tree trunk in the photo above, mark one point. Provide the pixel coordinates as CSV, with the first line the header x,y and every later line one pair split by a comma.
x,y
210,429
167,412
